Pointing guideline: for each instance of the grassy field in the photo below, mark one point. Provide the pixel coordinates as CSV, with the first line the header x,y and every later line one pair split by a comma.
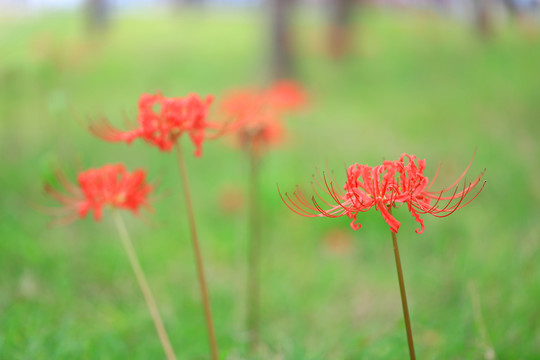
x,y
415,84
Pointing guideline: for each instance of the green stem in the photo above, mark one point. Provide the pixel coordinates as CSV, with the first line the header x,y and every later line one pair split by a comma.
x,y
143,284
403,295
254,244
198,255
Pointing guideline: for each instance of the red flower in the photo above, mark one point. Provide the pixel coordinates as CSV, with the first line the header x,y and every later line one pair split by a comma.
x,y
286,95
383,187
109,185
256,114
415,191
162,121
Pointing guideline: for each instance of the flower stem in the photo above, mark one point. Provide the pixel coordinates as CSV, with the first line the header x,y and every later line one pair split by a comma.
x,y
403,295
143,284
198,255
254,245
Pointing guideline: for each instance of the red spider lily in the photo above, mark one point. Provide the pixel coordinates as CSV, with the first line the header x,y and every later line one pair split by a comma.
x,y
108,185
382,187
256,114
162,121
286,95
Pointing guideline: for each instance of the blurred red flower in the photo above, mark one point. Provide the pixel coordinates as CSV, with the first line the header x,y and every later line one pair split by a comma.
x,y
256,115
286,95
162,121
96,188
383,187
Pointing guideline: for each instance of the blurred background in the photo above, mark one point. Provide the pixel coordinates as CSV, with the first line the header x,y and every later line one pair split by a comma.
x,y
435,78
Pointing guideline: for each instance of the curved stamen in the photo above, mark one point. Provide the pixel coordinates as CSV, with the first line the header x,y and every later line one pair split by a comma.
x,y
295,209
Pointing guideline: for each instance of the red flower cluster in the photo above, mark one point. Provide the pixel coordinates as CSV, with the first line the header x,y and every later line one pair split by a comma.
x,y
256,115
382,187
109,185
162,121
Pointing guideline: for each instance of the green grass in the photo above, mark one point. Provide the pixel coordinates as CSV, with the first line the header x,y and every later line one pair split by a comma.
x,y
414,84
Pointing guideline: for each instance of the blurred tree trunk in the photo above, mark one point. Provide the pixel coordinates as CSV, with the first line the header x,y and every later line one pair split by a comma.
x,y
179,4
511,7
97,14
340,32
281,56
482,18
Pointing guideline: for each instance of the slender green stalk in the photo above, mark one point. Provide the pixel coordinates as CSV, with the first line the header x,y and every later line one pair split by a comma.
x,y
254,245
403,295
143,284
480,323
198,255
